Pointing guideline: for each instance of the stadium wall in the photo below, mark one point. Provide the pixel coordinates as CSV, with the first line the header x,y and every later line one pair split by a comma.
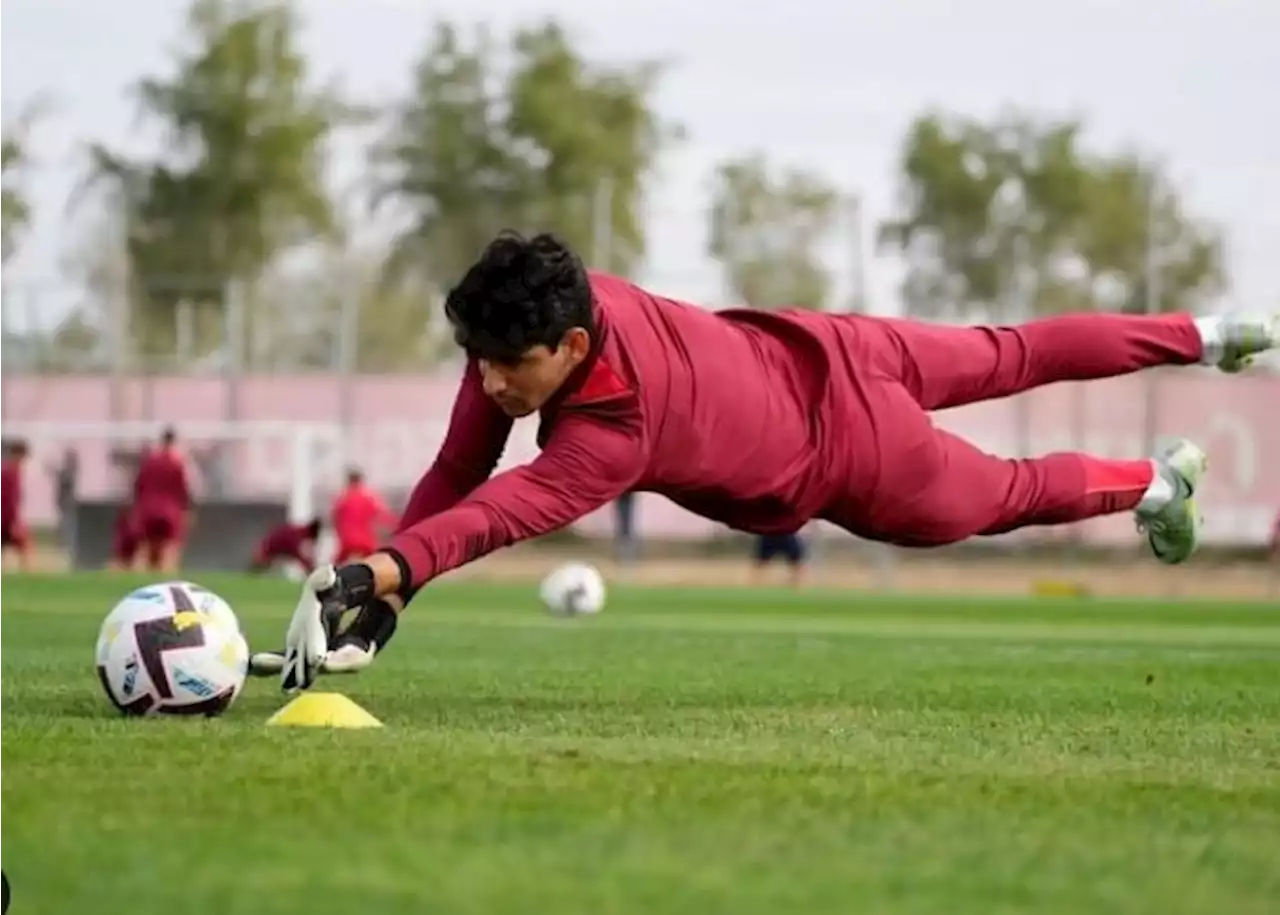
x,y
396,424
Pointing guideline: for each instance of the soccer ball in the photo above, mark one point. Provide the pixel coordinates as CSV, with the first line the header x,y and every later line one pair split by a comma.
x,y
172,648
572,589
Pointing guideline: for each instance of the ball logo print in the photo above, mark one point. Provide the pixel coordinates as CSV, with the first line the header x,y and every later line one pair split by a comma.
x,y
160,635
130,675
198,685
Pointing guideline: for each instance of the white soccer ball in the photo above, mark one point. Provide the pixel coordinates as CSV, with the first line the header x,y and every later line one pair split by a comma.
x,y
572,589
172,648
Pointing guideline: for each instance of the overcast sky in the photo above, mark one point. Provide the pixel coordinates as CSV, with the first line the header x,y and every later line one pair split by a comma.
x,y
825,84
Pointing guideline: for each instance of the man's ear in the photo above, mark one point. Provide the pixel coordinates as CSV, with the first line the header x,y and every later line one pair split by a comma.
x,y
578,343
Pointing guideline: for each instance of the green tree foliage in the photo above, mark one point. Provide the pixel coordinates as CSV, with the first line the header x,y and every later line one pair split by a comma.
x,y
1145,252
241,181
445,163
767,230
592,137
1013,218
15,209
479,146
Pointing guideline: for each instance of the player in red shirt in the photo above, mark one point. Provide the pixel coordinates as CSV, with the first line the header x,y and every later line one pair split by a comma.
x,y
162,502
357,514
759,420
13,535
288,543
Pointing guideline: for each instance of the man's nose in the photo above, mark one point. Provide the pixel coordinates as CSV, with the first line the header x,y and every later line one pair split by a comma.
x,y
492,380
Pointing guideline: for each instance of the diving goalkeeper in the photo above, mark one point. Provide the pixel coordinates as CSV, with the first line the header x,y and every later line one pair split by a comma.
x,y
759,420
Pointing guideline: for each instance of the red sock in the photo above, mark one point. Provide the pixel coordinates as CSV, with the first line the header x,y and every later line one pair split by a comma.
x,y
1115,486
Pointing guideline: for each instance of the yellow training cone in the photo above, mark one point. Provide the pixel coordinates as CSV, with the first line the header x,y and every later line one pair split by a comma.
x,y
323,710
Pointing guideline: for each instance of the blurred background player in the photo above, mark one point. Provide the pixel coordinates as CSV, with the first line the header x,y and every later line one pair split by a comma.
x,y
288,543
162,502
1275,555
14,537
789,547
358,514
126,539
626,540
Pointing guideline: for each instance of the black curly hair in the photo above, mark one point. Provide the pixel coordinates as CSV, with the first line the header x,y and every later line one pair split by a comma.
x,y
520,293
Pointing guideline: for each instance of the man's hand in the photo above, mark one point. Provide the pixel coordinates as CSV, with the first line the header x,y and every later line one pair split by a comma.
x,y
327,593
306,643
313,644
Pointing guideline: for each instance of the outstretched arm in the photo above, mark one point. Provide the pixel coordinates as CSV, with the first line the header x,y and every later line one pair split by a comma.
x,y
478,431
587,463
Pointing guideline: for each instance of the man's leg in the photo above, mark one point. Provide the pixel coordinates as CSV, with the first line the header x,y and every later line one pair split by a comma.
x,y
124,549
169,552
797,553
946,366
978,494
261,562
761,553
22,546
934,488
626,547
16,538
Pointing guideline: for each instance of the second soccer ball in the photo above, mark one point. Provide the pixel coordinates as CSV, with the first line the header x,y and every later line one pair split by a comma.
x,y
573,589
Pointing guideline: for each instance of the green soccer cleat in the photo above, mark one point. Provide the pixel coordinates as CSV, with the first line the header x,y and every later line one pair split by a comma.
x,y
1173,530
1245,336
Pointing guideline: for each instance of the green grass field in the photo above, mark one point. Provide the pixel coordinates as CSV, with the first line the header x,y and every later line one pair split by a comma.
x,y
689,751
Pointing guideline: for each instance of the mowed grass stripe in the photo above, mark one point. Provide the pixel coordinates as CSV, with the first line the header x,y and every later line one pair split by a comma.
x,y
1123,631
902,627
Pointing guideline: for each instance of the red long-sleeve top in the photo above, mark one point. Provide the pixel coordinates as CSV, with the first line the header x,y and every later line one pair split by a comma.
x,y
161,486
11,491
716,410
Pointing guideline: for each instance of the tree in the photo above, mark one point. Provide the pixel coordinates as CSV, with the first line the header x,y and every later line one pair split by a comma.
x,y
241,181
15,209
1012,218
592,137
767,230
988,215
1145,253
447,163
475,149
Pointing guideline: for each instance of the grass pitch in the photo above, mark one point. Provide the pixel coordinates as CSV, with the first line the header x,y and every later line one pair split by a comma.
x,y
686,752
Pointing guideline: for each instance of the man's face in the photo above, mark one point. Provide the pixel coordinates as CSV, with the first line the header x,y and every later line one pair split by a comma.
x,y
524,385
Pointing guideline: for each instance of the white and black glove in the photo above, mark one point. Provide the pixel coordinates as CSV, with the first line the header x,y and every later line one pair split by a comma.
x,y
322,647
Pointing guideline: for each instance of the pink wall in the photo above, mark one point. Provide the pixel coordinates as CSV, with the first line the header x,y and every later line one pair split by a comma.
x,y
401,420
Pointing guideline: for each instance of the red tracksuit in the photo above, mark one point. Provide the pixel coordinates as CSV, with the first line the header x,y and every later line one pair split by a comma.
x,y
294,542
161,499
13,532
126,536
764,421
